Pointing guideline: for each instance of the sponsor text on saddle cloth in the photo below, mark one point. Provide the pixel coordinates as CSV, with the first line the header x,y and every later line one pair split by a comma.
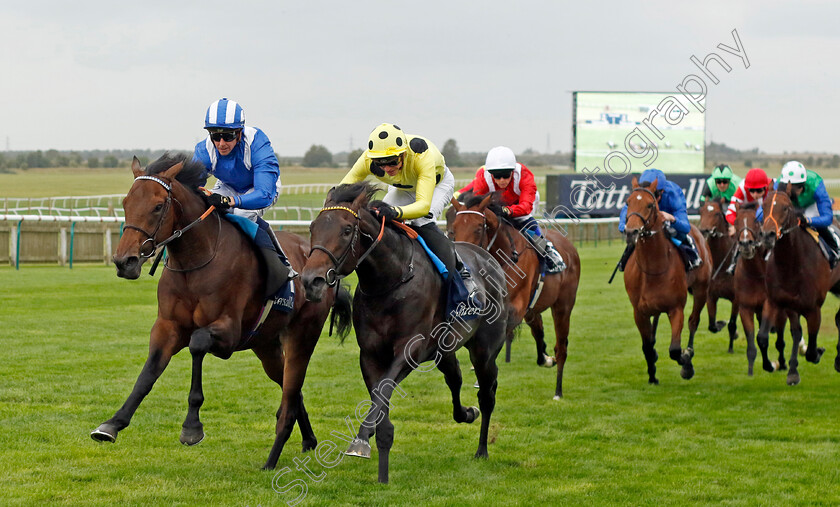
x,y
459,304
284,299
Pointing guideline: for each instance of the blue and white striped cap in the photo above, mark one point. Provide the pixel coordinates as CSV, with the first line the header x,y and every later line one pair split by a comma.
x,y
225,114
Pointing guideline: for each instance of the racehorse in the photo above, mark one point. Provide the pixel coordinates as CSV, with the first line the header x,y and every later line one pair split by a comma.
x,y
398,315
750,291
478,223
797,279
656,281
210,297
715,230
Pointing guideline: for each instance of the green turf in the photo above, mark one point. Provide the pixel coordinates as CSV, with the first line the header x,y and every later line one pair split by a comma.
x,y
75,341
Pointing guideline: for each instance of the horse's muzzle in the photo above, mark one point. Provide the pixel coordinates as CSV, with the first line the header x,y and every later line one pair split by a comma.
x,y
314,286
128,267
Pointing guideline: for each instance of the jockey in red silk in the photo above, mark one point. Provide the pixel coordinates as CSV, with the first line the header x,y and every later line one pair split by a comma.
x,y
515,183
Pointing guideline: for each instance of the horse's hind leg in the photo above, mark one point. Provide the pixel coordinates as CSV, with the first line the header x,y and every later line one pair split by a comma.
x,y
272,360
451,370
733,328
192,431
535,322
648,333
163,345
561,318
487,373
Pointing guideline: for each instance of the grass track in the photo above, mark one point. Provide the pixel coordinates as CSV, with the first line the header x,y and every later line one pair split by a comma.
x,y
76,339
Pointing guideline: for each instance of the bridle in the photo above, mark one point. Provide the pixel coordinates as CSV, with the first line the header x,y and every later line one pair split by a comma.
x,y
150,238
484,227
644,232
332,276
780,231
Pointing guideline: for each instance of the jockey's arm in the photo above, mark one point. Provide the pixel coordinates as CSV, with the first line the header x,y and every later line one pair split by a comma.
x,y
826,215
266,172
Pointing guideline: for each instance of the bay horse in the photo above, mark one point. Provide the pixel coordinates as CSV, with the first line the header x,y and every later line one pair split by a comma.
x,y
798,278
399,315
210,297
656,281
478,222
715,230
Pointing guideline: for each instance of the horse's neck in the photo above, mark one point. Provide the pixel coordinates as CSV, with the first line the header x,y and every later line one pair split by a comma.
x,y
387,262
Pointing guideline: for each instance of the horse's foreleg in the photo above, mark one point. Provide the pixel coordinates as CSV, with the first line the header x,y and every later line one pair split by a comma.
x,y
561,318
733,328
648,333
192,431
163,345
711,309
814,353
748,323
768,318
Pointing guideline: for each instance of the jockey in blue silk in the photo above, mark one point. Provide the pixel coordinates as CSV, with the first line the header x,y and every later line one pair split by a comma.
x,y
672,207
810,197
248,177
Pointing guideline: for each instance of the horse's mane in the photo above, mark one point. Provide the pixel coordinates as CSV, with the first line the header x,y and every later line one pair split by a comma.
x,y
348,192
192,176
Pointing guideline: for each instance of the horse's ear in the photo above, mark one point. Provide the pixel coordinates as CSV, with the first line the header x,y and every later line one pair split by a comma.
x,y
135,167
485,202
457,205
173,171
635,182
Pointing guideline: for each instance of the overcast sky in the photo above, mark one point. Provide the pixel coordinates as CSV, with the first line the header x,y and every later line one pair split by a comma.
x,y
100,75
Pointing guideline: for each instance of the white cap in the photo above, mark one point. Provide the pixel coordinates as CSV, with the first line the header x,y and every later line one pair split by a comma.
x,y
500,157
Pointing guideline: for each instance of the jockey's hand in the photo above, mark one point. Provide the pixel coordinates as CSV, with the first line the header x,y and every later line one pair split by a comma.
x,y
219,201
731,230
803,220
506,211
382,210
667,216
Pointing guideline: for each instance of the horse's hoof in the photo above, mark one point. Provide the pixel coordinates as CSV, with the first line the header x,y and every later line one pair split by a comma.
x,y
192,436
792,379
549,361
472,414
816,358
104,433
358,448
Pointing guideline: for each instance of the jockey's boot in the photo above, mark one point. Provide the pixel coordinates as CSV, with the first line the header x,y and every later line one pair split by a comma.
x,y
278,273
622,263
546,250
730,270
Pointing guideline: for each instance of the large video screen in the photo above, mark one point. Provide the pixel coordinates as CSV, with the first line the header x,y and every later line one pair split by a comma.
x,y
650,130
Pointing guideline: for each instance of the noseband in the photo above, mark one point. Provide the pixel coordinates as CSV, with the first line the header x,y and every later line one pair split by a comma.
x,y
151,236
332,275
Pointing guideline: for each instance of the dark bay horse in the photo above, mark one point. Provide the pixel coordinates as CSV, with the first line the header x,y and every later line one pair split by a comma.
x,y
798,278
715,229
398,314
656,281
750,291
210,297
478,223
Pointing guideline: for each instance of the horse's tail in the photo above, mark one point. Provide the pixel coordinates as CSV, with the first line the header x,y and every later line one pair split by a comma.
x,y
342,312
